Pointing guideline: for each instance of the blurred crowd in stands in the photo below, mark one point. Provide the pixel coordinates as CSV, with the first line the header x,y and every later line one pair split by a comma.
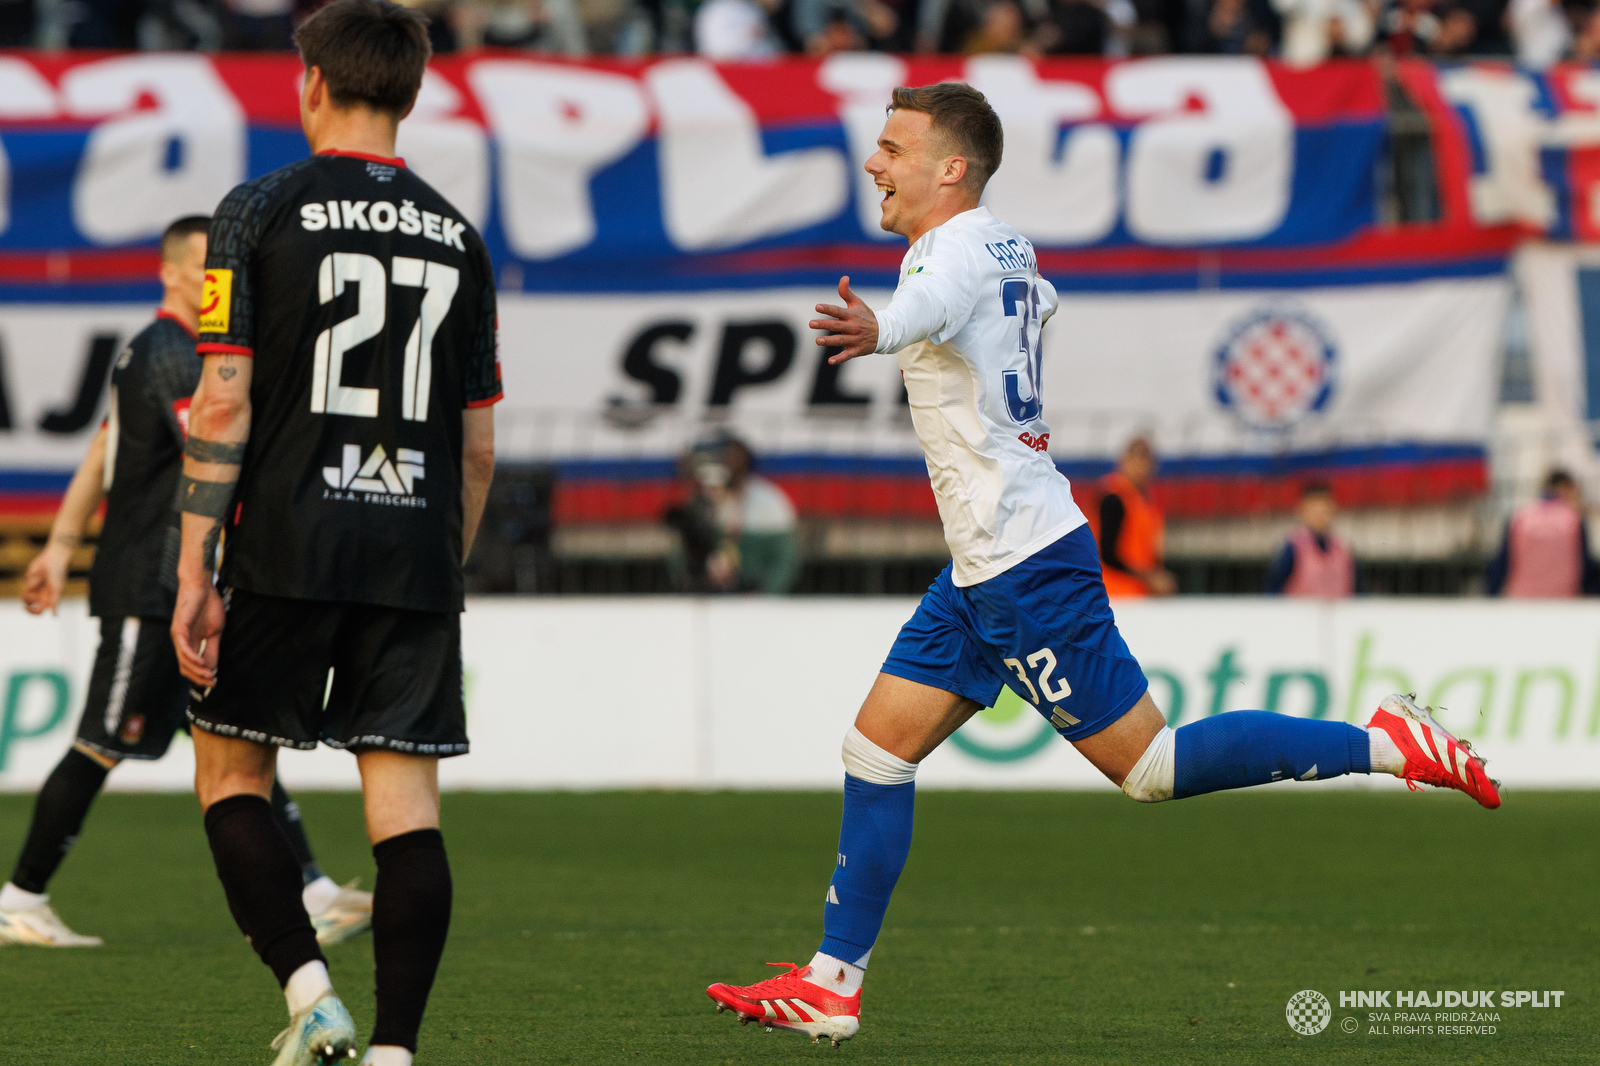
x,y
736,532
1535,32
1544,551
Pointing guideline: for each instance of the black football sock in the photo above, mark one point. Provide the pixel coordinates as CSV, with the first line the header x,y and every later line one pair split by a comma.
x,y
58,814
262,882
410,920
287,812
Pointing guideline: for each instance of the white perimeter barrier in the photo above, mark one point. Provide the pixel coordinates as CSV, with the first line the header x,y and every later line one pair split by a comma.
x,y
757,693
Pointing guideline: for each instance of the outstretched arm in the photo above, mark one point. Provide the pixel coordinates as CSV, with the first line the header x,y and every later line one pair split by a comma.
x,y
934,300
853,328
45,577
219,427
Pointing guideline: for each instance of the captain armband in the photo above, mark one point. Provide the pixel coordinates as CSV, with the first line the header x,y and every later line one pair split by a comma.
x,y
209,499
215,451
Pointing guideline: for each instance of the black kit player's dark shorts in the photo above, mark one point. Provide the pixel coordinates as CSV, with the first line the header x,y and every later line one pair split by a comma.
x,y
136,695
396,677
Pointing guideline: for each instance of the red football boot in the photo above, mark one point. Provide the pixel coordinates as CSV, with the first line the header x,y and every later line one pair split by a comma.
x,y
793,1003
1433,756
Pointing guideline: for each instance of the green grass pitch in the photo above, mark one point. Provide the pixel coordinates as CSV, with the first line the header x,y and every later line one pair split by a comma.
x,y
1029,928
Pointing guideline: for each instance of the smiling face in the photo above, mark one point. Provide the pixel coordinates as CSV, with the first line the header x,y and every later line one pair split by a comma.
x,y
916,173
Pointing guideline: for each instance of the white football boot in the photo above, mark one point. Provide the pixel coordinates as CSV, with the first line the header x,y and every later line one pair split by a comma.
x,y
349,915
321,1036
41,927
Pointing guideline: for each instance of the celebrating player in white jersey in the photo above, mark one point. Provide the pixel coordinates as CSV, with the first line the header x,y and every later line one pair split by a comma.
x,y
1022,603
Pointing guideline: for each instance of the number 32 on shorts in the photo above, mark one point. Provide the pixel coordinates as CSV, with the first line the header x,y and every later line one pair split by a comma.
x,y
1048,658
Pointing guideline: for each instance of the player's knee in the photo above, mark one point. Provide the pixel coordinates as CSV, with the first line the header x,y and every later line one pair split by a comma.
x,y
215,783
865,761
1152,777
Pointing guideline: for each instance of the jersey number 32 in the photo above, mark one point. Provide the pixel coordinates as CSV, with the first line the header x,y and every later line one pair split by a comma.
x,y
329,394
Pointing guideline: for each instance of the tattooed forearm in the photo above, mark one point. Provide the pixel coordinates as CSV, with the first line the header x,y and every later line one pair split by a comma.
x,y
209,499
213,536
215,451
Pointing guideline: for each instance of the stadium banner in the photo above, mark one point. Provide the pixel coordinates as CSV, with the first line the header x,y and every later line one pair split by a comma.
x,y
1512,148
1210,221
1560,287
680,174
757,693
1386,390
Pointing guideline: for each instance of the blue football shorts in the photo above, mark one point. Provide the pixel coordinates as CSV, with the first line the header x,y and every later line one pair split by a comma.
x,y
1044,628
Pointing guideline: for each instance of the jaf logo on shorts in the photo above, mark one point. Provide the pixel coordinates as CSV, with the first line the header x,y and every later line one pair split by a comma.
x,y
1309,1012
1274,367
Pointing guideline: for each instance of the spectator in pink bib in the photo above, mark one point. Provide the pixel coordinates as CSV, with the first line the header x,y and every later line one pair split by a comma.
x,y
1545,554
1314,560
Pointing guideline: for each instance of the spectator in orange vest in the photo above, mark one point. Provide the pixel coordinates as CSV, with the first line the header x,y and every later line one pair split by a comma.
x,y
1131,528
1314,560
1545,553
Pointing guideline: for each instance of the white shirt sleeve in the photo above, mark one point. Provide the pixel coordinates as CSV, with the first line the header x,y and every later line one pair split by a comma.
x,y
934,299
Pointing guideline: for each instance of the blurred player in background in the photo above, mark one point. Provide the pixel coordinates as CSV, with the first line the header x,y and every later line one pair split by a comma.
x,y
342,434
136,698
1314,560
1022,602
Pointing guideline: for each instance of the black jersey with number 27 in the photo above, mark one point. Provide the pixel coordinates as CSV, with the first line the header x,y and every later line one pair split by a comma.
x,y
367,303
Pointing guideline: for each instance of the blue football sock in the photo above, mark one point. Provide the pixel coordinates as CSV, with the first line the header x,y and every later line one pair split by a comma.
x,y
1242,748
873,843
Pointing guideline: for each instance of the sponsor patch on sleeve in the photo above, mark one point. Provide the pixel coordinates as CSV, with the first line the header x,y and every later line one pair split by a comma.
x,y
216,299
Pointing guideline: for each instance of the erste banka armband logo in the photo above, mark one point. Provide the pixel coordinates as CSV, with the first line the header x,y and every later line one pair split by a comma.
x,y
215,301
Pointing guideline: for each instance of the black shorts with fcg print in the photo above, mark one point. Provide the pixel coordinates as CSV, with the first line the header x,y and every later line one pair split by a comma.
x,y
396,682
136,695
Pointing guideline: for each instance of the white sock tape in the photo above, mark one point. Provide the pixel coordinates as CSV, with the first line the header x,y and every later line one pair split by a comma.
x,y
1151,779
865,761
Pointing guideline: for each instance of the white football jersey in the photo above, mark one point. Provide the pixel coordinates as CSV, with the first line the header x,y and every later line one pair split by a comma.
x,y
965,322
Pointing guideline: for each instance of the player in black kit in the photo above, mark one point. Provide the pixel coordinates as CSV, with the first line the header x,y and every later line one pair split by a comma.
x,y
136,698
342,434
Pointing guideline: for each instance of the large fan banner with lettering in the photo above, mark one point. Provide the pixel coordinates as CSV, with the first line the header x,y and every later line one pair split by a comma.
x,y
1386,390
684,175
660,231
1514,148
